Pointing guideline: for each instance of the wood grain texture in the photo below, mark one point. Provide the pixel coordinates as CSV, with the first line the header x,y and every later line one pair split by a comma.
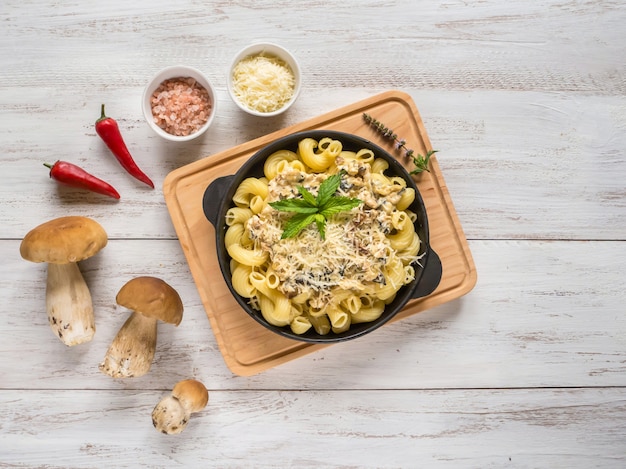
x,y
526,103
539,316
311,429
533,115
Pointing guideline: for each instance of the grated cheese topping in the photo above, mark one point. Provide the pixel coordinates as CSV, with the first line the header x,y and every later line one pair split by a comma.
x,y
356,249
263,83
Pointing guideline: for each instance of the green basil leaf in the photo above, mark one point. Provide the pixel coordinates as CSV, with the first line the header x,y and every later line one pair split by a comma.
x,y
328,188
339,204
293,205
307,196
320,221
310,209
296,224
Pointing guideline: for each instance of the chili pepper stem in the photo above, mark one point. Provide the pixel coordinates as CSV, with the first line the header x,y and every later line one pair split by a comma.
x,y
102,114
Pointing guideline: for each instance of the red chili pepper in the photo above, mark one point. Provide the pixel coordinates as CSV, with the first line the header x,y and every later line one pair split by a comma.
x,y
75,176
109,131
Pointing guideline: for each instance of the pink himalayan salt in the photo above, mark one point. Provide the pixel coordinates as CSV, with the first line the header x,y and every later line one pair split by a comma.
x,y
180,106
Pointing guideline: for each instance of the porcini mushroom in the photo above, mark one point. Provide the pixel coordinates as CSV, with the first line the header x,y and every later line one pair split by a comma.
x,y
132,351
62,243
172,413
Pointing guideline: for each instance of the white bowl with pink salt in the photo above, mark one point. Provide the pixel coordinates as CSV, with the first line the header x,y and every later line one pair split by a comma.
x,y
179,103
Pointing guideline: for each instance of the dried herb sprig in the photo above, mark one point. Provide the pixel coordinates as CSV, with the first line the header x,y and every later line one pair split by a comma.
x,y
420,161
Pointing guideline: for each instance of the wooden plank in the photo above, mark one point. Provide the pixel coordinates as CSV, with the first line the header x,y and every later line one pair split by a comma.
x,y
552,46
526,147
575,428
542,314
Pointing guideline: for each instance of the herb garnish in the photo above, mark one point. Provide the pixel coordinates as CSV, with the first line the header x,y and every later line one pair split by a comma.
x,y
310,209
420,162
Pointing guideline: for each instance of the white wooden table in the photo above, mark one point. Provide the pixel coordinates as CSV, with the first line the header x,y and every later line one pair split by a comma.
x,y
525,102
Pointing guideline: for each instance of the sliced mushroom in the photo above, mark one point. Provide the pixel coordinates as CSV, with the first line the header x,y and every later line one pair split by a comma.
x,y
62,243
132,351
172,413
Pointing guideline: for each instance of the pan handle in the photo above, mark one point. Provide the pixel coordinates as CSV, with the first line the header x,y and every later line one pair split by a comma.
x,y
430,277
213,197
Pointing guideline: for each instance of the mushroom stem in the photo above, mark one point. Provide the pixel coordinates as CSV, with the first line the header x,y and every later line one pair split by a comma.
x,y
131,353
172,413
69,305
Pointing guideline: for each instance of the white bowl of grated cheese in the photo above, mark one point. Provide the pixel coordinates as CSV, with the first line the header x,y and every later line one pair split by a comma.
x,y
179,103
264,79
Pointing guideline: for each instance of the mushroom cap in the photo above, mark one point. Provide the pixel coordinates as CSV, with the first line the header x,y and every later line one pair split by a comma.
x,y
192,394
153,298
63,240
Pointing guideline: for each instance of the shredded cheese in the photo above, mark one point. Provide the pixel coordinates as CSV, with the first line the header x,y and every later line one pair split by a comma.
x,y
263,83
354,253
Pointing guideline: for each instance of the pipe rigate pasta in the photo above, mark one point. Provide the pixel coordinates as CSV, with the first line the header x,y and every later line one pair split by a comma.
x,y
307,282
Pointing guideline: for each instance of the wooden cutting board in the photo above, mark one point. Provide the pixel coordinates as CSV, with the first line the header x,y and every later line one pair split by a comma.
x,y
247,347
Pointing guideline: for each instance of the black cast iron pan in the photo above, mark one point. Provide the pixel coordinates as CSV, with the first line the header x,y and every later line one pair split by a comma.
x,y
217,200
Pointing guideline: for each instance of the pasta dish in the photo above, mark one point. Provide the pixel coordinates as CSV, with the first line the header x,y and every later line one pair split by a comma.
x,y
322,282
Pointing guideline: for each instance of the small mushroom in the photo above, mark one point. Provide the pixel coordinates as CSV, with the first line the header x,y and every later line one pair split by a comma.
x,y
172,413
132,351
62,243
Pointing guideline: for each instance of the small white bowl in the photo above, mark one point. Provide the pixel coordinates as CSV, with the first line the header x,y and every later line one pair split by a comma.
x,y
270,49
177,71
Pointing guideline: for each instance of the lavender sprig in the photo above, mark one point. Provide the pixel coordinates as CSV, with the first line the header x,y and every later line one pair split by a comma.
x,y
420,161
